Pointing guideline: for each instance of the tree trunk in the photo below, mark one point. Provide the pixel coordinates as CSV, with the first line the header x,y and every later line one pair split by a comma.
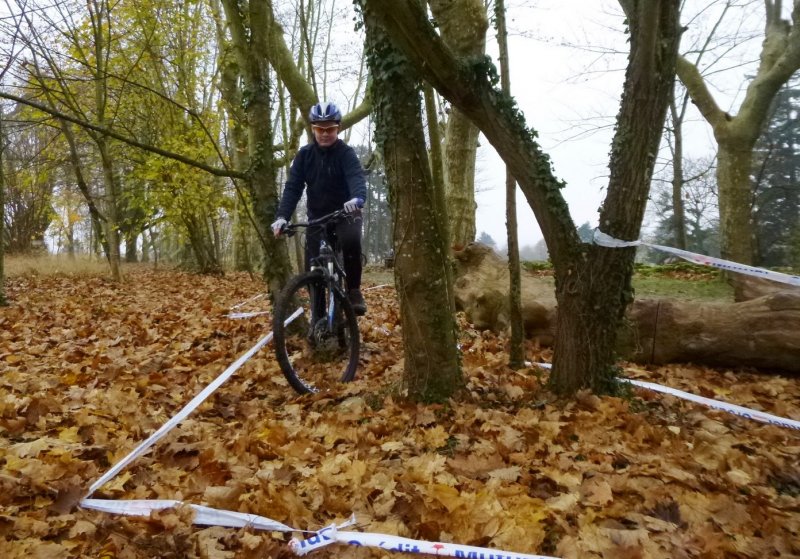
x,y
593,295
237,145
463,25
3,301
97,218
100,19
131,239
678,214
734,163
422,272
736,135
112,221
154,247
201,243
241,252
516,351
461,144
593,285
145,248
250,48
70,226
763,332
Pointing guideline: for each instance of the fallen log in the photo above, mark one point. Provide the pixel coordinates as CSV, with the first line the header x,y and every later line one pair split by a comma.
x,y
763,332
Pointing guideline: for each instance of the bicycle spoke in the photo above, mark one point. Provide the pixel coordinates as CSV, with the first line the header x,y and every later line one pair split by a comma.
x,y
315,355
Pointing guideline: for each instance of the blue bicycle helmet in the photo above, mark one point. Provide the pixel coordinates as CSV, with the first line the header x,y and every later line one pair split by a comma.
x,y
325,112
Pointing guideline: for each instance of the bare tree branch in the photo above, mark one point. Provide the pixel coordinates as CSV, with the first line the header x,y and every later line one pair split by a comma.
x,y
696,85
216,171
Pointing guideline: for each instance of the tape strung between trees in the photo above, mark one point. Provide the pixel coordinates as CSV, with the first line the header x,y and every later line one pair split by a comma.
x,y
763,332
332,534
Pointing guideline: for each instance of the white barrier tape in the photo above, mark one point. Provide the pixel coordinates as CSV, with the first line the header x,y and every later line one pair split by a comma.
x,y
717,404
602,239
377,287
250,300
183,413
741,411
246,314
204,516
388,542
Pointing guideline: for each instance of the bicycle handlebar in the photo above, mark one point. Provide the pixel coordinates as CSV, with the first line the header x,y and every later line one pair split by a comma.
x,y
291,228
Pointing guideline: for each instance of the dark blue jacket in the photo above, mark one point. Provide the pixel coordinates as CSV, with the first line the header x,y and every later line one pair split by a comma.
x,y
333,175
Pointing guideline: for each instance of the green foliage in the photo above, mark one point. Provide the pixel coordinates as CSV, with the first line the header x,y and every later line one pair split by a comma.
x,y
675,269
795,250
776,172
485,68
607,382
537,265
31,169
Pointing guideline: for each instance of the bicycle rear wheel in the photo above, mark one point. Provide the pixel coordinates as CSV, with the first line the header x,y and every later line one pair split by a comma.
x,y
313,353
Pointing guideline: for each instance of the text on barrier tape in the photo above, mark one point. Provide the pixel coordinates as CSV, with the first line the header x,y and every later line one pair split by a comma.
x,y
389,542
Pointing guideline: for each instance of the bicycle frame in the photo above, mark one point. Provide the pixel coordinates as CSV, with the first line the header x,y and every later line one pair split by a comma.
x,y
328,351
327,261
333,275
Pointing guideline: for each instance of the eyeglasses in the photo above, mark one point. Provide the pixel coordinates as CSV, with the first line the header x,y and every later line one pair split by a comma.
x,y
322,129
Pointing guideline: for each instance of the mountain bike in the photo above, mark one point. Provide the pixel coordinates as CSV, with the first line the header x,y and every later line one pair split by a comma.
x,y
321,347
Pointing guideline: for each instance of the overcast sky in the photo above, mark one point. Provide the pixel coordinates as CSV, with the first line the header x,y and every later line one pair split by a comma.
x,y
568,83
567,80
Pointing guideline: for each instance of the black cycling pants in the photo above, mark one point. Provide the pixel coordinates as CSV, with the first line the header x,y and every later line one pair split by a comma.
x,y
346,234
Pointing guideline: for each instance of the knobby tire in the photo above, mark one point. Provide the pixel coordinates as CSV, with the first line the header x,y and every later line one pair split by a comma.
x,y
311,365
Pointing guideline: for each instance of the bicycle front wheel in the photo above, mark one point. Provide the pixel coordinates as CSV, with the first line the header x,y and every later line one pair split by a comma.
x,y
320,348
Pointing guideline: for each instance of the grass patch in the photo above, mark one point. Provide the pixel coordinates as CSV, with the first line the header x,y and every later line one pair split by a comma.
x,y
54,265
696,289
680,280
379,275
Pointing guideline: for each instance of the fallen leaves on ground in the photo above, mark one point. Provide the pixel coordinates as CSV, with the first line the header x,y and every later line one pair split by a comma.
x,y
90,368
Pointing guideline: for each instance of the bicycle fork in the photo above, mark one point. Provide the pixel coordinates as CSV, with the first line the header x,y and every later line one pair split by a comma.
x,y
326,252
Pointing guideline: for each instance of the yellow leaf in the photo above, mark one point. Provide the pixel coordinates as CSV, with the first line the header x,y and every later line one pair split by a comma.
x,y
31,449
48,550
392,446
69,379
506,474
739,477
436,437
69,435
82,527
596,492
117,483
41,501
14,464
446,495
564,502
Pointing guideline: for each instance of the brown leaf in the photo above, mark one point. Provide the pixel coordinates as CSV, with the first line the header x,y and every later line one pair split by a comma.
x,y
504,466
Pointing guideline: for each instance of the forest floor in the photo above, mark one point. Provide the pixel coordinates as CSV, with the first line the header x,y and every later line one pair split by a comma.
x,y
91,368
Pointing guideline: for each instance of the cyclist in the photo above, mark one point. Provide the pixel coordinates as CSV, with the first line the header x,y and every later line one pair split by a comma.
x,y
333,175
